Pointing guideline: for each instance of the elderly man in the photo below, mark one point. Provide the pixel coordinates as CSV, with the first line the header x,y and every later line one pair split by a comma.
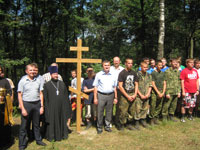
x,y
116,69
30,98
104,95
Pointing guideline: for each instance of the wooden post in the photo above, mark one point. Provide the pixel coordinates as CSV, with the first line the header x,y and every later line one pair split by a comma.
x,y
77,91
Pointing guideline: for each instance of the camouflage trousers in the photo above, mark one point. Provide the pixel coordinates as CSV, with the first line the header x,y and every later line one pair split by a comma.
x,y
126,109
169,105
141,108
155,106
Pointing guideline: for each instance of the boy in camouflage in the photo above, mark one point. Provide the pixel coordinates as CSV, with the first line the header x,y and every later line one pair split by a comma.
x,y
144,90
173,90
157,94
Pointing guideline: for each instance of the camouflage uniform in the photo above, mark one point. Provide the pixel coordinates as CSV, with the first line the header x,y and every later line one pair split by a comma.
x,y
173,88
126,108
142,106
156,102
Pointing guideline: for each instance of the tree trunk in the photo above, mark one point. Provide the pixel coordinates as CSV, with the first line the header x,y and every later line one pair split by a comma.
x,y
161,30
191,49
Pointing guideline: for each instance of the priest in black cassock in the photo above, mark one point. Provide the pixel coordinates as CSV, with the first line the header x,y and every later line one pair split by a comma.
x,y
57,107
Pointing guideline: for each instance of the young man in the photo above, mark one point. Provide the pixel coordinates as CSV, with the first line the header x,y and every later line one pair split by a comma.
x,y
128,85
30,98
88,88
158,93
105,94
152,66
144,91
197,67
173,91
164,63
57,107
190,88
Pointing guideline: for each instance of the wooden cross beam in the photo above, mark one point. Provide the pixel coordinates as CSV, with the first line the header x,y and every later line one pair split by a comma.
x,y
79,61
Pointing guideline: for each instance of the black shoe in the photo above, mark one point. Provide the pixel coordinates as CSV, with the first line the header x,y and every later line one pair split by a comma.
x,y
69,131
137,125
99,131
89,124
41,143
108,129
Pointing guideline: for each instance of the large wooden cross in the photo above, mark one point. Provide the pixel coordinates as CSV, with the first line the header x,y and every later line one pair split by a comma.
x,y
79,60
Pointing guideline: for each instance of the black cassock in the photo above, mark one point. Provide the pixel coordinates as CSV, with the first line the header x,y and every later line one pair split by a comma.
x,y
57,110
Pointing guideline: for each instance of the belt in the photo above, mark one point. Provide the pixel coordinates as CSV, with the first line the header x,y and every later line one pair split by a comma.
x,y
105,93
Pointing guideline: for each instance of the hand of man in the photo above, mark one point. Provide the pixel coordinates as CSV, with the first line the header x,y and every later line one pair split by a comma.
x,y
115,101
183,94
96,101
41,110
197,93
24,112
168,96
179,95
133,97
160,95
143,97
130,98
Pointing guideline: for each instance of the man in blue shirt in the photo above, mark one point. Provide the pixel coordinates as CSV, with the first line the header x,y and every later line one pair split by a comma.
x,y
30,98
105,94
88,88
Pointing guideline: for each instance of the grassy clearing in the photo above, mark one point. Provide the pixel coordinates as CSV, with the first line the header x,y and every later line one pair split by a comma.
x,y
166,136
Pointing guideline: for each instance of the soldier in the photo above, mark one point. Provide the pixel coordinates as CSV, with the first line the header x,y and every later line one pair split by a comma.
x,y
158,93
173,89
144,91
128,85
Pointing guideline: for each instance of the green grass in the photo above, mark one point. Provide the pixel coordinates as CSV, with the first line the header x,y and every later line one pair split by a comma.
x,y
166,136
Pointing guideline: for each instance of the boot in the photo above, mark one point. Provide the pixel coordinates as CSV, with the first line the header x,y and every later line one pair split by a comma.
x,y
137,124
152,121
156,121
171,117
130,127
164,118
144,123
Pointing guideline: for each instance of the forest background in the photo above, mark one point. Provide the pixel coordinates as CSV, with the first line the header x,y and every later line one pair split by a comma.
x,y
42,30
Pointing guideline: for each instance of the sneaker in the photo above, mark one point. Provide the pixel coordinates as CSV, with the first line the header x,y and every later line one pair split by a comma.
x,y
183,120
190,118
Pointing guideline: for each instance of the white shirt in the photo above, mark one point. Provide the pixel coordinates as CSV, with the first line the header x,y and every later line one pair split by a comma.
x,y
115,71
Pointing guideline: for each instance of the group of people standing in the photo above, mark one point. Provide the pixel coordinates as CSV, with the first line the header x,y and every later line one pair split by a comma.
x,y
38,95
154,92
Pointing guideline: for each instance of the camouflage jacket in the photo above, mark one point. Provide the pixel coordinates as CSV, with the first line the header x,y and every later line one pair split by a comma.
x,y
144,82
158,78
173,82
